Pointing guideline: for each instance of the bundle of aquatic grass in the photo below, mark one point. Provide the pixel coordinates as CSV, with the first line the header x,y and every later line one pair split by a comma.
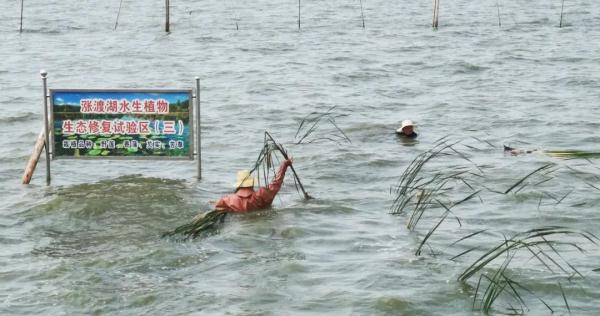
x,y
201,223
572,154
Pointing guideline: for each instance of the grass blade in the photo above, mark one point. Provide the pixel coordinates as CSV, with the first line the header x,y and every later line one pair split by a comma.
x,y
418,252
562,291
529,175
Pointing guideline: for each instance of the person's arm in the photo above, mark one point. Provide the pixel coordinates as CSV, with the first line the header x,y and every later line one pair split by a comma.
x,y
221,204
278,181
268,193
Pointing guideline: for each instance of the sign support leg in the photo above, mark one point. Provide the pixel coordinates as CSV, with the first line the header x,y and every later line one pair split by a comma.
x,y
198,137
44,75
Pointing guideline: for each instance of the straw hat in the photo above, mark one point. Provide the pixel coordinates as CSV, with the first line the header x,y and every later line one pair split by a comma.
x,y
244,179
405,123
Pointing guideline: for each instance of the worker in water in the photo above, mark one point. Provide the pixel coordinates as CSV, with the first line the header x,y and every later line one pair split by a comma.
x,y
245,199
407,129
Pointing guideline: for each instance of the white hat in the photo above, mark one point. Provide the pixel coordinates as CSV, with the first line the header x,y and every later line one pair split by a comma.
x,y
404,124
244,179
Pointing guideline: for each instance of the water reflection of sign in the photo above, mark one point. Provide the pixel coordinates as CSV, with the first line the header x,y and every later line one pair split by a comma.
x,y
121,123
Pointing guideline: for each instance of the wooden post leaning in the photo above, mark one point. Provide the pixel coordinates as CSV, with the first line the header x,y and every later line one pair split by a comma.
x,y
35,156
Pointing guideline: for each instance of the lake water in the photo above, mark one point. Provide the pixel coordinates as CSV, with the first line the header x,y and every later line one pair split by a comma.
x,y
90,243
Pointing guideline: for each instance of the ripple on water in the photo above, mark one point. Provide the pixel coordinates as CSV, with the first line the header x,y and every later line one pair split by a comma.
x,y
96,248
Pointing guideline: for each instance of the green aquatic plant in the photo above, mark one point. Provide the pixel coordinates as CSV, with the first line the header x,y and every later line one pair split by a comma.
x,y
421,186
306,132
423,189
534,239
572,153
540,169
545,244
201,224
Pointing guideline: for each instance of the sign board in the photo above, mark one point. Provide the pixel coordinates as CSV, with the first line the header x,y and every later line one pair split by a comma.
x,y
135,124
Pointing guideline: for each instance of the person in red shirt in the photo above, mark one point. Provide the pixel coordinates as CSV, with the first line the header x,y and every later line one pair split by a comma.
x,y
245,199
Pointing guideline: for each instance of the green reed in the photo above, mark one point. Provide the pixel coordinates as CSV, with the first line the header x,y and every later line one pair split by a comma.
x,y
424,189
546,245
311,130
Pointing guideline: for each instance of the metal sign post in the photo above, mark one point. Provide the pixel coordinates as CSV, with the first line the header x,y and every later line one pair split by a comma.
x,y
44,75
198,138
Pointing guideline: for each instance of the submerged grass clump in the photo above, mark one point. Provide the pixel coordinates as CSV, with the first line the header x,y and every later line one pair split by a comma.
x,y
203,223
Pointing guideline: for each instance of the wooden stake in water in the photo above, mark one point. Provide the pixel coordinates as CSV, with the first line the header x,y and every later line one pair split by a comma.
x,y
167,26
298,15
35,157
21,27
362,14
436,12
118,14
562,7
498,7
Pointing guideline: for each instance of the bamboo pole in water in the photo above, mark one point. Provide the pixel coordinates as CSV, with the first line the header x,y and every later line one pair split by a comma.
x,y
35,157
298,15
362,15
436,12
118,14
21,25
562,7
498,7
167,23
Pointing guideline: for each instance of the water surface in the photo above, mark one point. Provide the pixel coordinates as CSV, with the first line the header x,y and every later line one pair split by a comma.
x,y
89,243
